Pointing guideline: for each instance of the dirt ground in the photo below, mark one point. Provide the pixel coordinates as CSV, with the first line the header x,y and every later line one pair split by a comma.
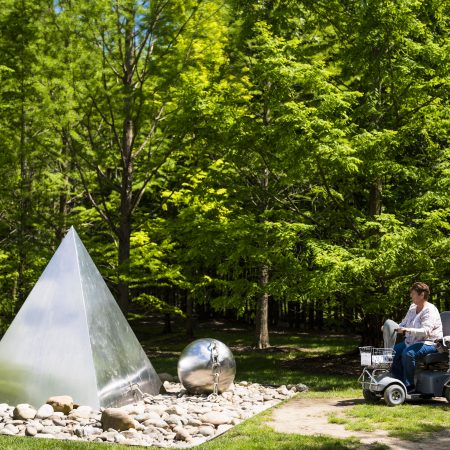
x,y
308,416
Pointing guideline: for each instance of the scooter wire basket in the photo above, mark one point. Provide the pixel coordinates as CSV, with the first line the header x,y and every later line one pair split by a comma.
x,y
376,357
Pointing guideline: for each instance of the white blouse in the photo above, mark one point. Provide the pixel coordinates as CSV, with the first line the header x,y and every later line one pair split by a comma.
x,y
426,326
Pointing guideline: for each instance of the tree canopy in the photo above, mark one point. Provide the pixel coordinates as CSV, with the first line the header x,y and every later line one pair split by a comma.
x,y
272,160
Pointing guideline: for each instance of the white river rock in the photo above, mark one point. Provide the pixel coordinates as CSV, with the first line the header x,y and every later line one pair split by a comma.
x,y
172,420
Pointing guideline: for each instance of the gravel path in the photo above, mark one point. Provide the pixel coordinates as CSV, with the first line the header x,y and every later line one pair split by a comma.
x,y
308,416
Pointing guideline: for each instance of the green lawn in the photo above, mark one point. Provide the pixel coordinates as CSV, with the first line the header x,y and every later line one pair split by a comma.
x,y
262,366
269,367
411,421
255,435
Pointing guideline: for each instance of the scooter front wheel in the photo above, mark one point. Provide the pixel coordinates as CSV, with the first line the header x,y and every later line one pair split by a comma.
x,y
369,396
394,395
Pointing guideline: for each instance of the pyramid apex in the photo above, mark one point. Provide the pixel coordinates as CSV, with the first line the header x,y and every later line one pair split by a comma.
x,y
71,232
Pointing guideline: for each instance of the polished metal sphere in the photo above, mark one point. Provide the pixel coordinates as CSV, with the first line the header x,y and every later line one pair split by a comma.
x,y
198,363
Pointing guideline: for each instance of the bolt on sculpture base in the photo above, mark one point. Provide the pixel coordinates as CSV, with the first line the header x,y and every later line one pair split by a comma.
x,y
70,337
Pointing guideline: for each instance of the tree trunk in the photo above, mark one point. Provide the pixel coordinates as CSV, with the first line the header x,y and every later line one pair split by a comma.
x,y
167,323
348,319
371,330
25,186
291,314
311,315
124,259
126,188
124,231
189,316
297,316
63,196
375,199
274,312
302,315
319,316
262,312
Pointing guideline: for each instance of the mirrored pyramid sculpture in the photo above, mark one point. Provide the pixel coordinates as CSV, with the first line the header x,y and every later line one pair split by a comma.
x,y
71,338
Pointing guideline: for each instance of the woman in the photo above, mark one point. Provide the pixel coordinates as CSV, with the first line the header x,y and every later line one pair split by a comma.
x,y
421,326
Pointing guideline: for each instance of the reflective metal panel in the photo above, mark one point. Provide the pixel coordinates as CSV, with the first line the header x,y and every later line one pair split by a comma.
x,y
119,360
70,337
195,366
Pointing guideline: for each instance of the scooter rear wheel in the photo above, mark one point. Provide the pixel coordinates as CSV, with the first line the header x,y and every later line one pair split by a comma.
x,y
369,396
394,395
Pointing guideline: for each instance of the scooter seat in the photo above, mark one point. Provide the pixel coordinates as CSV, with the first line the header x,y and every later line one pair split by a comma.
x,y
434,358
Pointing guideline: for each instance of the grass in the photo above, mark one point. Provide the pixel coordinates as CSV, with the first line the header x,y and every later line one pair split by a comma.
x,y
262,366
254,434
407,421
26,443
273,367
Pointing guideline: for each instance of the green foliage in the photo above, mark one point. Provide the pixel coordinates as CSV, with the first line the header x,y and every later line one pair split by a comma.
x,y
385,231
8,278
197,145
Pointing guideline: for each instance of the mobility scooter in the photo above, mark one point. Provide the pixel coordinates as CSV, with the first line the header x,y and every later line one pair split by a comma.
x,y
432,379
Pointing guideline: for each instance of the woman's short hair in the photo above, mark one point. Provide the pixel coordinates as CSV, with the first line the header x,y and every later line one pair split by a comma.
x,y
420,288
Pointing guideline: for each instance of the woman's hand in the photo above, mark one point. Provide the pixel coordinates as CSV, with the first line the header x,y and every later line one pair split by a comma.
x,y
403,330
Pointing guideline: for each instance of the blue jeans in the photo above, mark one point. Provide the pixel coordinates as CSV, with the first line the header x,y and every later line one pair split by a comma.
x,y
404,363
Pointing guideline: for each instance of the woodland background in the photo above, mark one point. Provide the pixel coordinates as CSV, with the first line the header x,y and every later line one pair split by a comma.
x,y
272,161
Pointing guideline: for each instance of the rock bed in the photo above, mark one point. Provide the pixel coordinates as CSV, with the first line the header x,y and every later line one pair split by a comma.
x,y
174,419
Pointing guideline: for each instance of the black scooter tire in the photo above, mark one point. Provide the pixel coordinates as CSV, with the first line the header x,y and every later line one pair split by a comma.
x,y
370,397
394,395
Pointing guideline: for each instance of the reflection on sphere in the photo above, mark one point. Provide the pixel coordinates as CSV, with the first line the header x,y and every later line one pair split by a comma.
x,y
195,366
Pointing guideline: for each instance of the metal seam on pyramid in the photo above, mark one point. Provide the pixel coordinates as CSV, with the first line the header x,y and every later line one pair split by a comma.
x,y
73,235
